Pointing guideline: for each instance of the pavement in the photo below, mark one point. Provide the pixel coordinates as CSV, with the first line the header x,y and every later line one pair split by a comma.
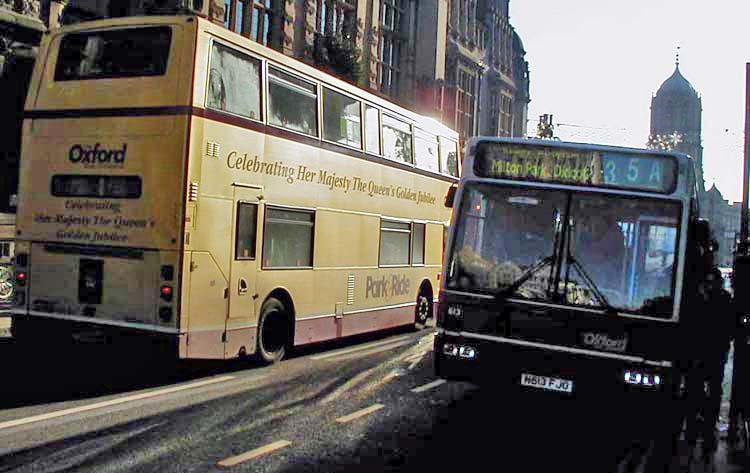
x,y
369,404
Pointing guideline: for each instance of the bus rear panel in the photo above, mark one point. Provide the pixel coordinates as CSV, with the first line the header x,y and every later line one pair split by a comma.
x,y
102,178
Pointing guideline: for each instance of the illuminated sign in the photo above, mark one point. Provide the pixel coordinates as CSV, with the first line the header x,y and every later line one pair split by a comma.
x,y
599,168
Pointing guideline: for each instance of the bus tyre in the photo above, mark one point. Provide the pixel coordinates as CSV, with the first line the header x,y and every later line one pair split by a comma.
x,y
273,332
423,310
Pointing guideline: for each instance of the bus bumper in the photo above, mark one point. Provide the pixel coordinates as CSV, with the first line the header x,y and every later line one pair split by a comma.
x,y
484,362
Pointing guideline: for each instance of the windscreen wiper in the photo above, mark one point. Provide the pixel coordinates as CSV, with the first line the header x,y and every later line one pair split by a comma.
x,y
531,271
572,261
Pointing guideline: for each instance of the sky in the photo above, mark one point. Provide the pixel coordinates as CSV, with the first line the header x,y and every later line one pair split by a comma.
x,y
595,64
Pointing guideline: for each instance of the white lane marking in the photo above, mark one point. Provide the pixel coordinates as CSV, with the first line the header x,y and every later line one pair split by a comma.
x,y
371,351
359,413
271,447
428,386
359,348
112,402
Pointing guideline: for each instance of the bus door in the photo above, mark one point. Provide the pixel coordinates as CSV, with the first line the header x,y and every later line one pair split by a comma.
x,y
242,317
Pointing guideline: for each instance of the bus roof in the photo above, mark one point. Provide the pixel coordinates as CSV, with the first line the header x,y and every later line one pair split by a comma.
x,y
426,123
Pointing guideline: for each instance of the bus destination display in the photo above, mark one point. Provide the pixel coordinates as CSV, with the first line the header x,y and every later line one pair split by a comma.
x,y
576,166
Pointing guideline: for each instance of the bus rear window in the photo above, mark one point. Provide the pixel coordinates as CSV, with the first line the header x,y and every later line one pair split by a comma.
x,y
132,52
110,187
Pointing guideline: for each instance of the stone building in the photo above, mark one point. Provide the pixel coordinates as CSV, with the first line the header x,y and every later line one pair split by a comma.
x,y
676,109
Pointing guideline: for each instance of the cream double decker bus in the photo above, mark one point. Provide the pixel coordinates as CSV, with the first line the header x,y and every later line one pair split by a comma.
x,y
186,184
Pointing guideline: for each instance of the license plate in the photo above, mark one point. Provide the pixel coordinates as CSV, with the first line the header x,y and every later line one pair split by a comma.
x,y
546,382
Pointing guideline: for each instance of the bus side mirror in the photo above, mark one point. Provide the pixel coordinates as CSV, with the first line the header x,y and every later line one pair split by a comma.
x,y
450,196
702,232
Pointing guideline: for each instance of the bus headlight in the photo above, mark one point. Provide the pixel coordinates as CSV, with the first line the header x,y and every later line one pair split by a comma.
x,y
642,379
467,352
450,349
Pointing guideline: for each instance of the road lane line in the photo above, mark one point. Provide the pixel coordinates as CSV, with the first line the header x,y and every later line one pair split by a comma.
x,y
359,413
428,386
271,447
359,348
112,402
371,351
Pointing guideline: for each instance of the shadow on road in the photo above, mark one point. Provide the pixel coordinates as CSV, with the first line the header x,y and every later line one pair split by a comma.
x,y
489,429
72,372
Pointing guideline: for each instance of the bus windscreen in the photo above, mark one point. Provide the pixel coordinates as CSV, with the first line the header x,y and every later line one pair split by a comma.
x,y
511,242
598,168
132,52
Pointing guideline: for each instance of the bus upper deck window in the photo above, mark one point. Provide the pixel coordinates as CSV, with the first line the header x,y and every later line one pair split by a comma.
x,y
292,102
448,157
397,139
133,52
234,82
341,119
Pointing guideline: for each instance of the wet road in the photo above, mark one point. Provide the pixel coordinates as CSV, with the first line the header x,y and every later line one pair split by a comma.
x,y
369,405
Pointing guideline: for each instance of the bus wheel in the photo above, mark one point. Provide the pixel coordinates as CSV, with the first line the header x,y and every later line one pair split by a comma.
x,y
273,331
423,311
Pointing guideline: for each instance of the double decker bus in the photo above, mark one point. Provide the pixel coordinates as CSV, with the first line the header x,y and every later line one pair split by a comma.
x,y
569,268
181,183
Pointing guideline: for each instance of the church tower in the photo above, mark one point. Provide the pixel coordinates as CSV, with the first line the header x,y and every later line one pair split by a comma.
x,y
676,108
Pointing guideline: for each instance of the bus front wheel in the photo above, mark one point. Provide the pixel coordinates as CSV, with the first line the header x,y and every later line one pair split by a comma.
x,y
273,331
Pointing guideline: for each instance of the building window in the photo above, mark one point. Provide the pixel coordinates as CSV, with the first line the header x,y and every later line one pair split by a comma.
x,y
337,18
465,97
494,114
392,14
4,249
250,18
247,219
288,238
506,116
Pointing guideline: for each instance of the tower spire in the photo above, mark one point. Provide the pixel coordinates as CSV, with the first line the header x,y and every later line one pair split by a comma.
x,y
677,57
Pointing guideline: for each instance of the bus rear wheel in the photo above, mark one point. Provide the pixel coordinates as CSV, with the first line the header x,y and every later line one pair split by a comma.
x,y
423,310
273,331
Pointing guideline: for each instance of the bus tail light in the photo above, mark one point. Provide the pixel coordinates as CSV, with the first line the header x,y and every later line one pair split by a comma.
x,y
166,292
